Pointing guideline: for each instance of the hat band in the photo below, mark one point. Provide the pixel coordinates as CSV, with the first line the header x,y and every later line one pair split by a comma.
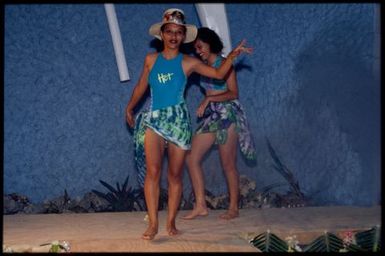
x,y
174,17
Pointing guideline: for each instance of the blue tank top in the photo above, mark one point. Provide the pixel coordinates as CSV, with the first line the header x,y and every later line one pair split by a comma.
x,y
211,83
167,82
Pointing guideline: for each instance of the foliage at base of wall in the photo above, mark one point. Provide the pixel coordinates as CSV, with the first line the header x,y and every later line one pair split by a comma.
x,y
125,198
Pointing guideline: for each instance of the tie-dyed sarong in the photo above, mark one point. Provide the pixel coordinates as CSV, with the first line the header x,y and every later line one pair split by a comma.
x,y
172,123
217,119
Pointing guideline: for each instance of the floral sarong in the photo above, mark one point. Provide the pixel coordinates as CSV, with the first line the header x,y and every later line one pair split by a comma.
x,y
172,123
217,119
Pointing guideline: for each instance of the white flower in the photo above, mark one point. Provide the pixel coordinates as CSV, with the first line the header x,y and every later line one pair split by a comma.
x,y
292,243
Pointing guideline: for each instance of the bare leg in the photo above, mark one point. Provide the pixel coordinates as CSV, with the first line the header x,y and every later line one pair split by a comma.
x,y
154,149
201,143
176,157
228,153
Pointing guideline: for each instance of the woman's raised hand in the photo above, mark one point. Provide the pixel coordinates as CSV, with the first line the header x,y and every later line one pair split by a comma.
x,y
239,49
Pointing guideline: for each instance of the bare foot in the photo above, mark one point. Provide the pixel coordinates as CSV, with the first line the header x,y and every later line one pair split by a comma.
x,y
150,233
172,231
230,214
196,213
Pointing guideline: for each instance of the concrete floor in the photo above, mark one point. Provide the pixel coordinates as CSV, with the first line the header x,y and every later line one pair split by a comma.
x,y
121,231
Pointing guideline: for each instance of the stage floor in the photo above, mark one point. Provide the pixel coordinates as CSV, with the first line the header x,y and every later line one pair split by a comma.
x,y
121,231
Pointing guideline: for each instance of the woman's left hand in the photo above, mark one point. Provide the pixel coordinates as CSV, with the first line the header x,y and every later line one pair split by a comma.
x,y
241,47
202,107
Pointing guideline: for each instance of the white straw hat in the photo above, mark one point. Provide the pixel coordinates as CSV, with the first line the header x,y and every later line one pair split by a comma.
x,y
175,16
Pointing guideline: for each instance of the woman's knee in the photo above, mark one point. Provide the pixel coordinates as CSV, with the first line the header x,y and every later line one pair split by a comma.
x,y
191,161
175,176
229,167
153,172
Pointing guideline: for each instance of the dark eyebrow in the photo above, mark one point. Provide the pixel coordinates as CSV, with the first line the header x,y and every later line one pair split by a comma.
x,y
177,30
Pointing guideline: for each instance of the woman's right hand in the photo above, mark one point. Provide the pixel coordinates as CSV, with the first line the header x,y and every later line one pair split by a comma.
x,y
202,107
130,117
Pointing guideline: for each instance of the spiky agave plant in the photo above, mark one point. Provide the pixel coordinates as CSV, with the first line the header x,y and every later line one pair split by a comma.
x,y
123,198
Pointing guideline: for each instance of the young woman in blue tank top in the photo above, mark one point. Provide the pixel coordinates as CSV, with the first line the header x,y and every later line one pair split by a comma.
x,y
167,121
223,123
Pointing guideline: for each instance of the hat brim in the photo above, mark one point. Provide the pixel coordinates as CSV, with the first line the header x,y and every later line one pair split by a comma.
x,y
191,31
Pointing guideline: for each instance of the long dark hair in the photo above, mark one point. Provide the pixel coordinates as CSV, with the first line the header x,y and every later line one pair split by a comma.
x,y
211,38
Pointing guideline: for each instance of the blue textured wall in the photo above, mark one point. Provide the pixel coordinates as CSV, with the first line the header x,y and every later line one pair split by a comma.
x,y
312,86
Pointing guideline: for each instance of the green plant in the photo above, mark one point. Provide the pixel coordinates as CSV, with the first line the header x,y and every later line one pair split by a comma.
x,y
365,241
268,242
123,198
369,240
286,173
328,242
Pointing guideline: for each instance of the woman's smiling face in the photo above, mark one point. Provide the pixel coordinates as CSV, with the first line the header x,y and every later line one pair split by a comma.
x,y
202,49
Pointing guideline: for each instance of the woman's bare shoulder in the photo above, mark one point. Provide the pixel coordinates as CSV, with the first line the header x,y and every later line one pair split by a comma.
x,y
150,59
151,55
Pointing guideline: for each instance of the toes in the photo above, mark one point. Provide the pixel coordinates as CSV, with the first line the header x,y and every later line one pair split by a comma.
x,y
229,215
173,232
149,234
188,217
194,214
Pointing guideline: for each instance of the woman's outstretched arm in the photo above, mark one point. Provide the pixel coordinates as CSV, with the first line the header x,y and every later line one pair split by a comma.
x,y
195,65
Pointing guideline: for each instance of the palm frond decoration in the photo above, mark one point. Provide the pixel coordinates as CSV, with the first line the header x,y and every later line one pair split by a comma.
x,y
365,241
328,242
268,242
352,248
122,198
369,240
284,171
265,190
